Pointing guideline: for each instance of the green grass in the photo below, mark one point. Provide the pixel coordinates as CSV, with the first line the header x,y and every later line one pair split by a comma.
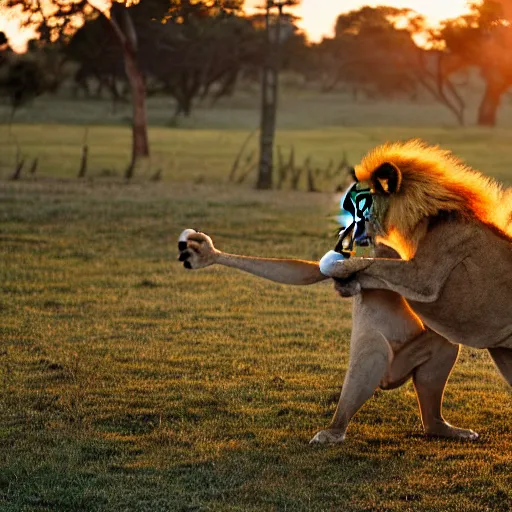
x,y
128,383
206,156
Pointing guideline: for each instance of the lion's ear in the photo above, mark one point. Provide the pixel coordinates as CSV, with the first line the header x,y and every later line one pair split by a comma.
x,y
387,178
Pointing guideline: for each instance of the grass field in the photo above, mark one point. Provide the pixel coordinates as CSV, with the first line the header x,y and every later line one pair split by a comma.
x,y
128,383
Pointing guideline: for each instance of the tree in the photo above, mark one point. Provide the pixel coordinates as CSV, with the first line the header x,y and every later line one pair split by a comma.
x,y
24,77
370,52
97,56
483,39
190,48
122,25
21,80
198,57
135,30
374,50
5,50
57,20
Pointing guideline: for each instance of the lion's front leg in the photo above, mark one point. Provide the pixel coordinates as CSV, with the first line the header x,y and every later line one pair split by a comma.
x,y
198,251
346,268
405,277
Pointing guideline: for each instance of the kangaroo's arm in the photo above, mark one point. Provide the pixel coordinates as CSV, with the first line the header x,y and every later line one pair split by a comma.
x,y
201,253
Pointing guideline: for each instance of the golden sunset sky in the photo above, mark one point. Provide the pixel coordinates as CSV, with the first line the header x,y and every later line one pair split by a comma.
x,y
318,16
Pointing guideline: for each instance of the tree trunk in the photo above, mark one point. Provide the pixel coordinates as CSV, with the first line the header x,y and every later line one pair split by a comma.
x,y
488,111
140,144
269,104
186,105
125,33
183,105
437,82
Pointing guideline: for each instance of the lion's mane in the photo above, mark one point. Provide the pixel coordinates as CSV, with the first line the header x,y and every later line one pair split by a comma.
x,y
436,181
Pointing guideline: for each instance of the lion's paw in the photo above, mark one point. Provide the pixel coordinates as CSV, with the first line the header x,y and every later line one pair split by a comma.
x,y
347,288
471,435
447,431
196,249
328,437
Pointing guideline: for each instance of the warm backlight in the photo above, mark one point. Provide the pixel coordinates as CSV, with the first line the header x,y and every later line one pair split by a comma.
x,y
317,16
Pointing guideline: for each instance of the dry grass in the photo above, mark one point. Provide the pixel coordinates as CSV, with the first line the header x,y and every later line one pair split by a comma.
x,y
130,384
206,156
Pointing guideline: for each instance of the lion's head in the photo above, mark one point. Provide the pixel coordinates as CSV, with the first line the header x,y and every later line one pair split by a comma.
x,y
412,182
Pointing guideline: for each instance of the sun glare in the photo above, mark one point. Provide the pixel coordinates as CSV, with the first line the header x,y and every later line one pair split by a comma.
x,y
10,24
18,35
318,16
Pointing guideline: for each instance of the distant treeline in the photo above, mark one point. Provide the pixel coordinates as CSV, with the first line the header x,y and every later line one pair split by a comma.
x,y
194,50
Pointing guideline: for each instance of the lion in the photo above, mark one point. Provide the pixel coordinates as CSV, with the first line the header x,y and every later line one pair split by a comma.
x,y
452,227
389,344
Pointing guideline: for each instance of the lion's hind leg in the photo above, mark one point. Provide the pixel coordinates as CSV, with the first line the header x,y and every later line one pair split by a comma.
x,y
369,360
429,359
429,382
406,358
502,358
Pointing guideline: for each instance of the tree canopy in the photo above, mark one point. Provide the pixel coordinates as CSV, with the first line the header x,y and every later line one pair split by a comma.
x,y
370,51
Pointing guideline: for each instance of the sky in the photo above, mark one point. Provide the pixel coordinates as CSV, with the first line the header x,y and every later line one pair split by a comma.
x,y
318,16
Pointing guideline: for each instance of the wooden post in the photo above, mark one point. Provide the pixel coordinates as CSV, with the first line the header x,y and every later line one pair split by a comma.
x,y
267,127
269,94
85,154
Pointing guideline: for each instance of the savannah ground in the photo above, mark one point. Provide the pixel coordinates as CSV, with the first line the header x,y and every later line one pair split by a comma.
x,y
128,383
